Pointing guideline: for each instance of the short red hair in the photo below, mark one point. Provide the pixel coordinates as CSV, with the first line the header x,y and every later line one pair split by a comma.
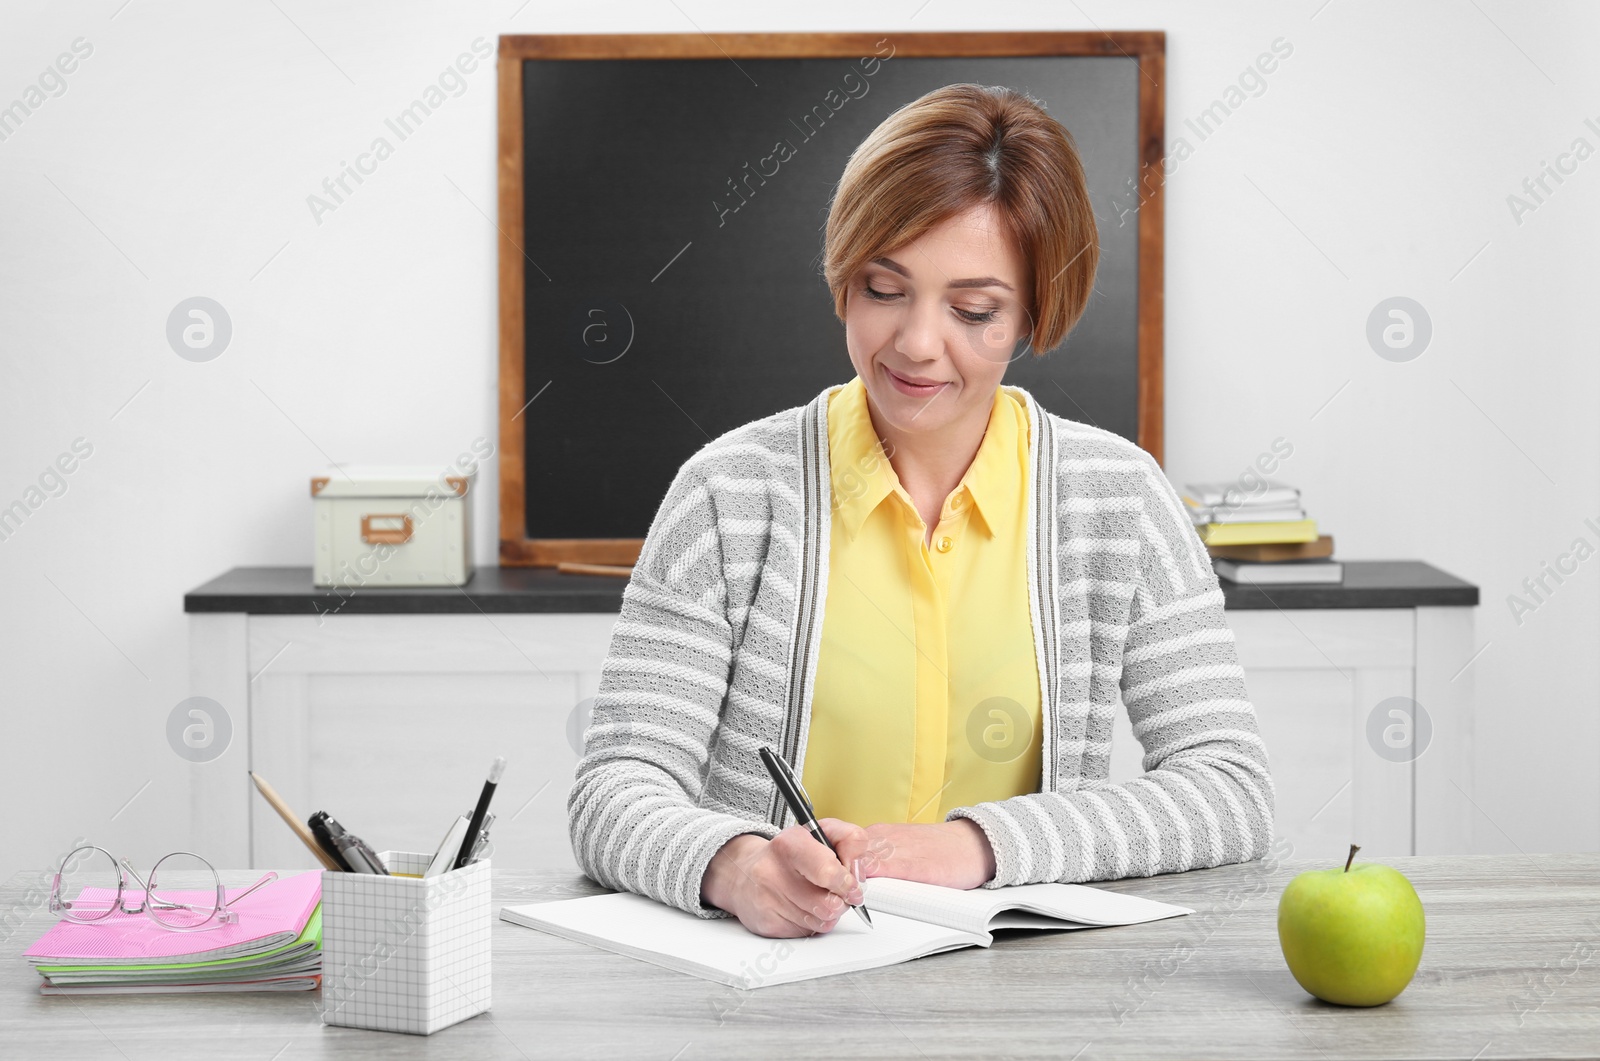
x,y
958,147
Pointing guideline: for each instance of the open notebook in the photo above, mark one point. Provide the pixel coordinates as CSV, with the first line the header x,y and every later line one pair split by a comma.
x,y
911,919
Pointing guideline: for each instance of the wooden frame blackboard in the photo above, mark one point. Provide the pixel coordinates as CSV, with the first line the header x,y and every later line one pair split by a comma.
x,y
586,508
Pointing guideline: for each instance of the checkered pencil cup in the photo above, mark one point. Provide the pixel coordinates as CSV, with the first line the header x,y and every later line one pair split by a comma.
x,y
405,954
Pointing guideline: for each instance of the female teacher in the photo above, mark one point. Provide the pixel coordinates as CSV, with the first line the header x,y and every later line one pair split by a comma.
x,y
922,589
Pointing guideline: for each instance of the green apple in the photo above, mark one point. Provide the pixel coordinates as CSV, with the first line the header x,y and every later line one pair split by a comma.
x,y
1351,936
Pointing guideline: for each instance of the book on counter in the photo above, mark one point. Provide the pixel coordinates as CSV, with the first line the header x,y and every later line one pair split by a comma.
x,y
1272,552
1262,536
1278,563
276,945
1279,572
1222,505
1303,530
1272,494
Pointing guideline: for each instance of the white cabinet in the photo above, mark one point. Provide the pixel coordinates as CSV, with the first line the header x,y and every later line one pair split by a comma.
x,y
1317,677
388,722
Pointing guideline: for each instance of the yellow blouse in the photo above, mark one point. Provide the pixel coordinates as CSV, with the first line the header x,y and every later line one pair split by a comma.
x,y
926,695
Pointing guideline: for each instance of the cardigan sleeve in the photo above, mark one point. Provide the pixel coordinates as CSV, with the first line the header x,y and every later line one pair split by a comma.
x,y
1206,797
633,811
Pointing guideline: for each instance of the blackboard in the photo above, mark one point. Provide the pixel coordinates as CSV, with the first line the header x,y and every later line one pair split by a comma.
x,y
669,246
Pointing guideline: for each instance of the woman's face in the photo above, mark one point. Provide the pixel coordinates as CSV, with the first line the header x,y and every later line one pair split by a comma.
x,y
932,325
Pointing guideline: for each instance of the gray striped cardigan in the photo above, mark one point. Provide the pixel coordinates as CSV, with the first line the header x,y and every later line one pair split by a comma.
x,y
715,650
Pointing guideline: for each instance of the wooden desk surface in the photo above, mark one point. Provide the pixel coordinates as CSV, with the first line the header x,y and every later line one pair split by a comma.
x,y
1511,970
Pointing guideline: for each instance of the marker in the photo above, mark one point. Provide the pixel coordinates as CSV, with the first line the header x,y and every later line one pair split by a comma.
x,y
475,824
353,850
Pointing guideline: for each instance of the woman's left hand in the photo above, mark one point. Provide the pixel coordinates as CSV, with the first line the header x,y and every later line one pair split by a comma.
x,y
954,854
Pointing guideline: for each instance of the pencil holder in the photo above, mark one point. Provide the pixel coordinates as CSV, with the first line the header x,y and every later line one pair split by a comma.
x,y
405,954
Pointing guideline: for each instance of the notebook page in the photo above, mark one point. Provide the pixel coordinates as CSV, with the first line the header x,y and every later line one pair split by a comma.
x,y
307,965
972,911
1024,919
725,951
287,983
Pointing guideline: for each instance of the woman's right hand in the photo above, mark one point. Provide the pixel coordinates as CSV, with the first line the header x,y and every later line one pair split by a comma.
x,y
787,886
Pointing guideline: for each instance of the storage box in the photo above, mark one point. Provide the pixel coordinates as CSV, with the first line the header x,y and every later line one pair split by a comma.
x,y
392,526
405,954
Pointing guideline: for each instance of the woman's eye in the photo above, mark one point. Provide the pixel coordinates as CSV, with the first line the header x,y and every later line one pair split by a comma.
x,y
986,317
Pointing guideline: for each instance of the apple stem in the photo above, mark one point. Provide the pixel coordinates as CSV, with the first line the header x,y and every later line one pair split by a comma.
x,y
1353,849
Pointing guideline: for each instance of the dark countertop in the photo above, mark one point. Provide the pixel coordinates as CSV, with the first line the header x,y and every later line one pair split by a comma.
x,y
1367,584
503,590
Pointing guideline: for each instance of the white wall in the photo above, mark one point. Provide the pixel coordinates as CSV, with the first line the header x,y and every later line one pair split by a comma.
x,y
179,159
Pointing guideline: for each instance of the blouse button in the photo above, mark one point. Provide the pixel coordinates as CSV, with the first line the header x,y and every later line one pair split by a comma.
x,y
945,543
956,503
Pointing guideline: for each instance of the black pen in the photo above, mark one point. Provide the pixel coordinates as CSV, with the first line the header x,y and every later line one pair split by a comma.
x,y
475,823
800,804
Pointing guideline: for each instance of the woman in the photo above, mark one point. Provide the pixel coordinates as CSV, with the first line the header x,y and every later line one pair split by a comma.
x,y
921,588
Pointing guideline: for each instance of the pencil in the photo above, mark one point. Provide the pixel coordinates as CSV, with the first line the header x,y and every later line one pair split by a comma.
x,y
294,823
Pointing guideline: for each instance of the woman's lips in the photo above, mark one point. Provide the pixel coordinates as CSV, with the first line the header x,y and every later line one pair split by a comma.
x,y
915,390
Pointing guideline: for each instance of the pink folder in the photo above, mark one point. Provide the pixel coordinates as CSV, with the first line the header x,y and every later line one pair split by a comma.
x,y
271,916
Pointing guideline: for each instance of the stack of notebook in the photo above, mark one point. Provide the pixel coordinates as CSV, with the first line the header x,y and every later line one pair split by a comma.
x,y
275,946
1262,535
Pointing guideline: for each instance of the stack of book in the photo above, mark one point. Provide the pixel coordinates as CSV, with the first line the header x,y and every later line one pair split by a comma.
x,y
276,945
1260,536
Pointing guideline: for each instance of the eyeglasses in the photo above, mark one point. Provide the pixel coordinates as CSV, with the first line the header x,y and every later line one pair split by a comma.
x,y
99,884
